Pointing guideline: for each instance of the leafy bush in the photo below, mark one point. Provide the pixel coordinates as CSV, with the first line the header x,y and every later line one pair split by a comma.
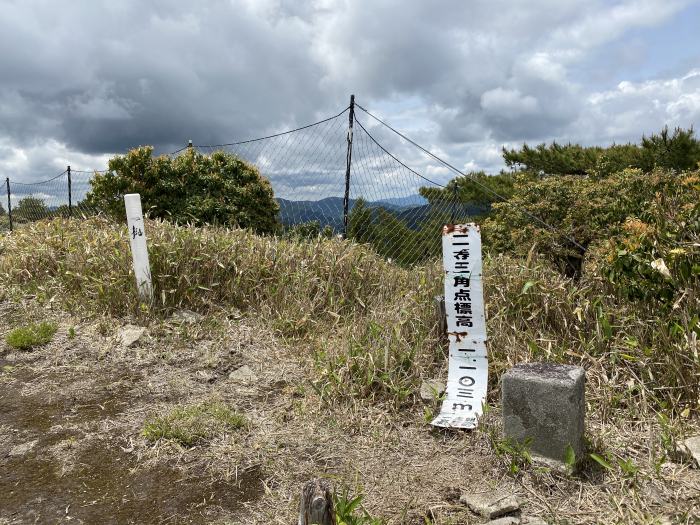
x,y
192,188
655,256
308,230
193,424
30,209
393,238
32,335
476,188
586,209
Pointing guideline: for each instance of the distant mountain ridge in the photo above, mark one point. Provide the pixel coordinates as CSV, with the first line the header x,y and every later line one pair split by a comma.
x,y
413,210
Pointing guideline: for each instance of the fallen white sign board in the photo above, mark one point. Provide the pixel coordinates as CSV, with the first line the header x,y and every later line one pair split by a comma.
x,y
467,376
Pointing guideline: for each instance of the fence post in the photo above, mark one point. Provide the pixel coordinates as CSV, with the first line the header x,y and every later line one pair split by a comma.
x,y
454,205
346,200
70,196
9,202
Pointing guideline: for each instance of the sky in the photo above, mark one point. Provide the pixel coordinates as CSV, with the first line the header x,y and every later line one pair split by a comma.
x,y
83,80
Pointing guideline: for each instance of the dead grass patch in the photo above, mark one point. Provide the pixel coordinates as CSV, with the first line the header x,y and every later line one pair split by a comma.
x,y
191,425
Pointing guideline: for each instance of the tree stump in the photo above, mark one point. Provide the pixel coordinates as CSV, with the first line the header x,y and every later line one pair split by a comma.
x,y
316,506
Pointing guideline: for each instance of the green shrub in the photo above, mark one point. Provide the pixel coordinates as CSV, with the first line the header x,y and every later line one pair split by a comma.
x,y
190,425
307,230
31,335
192,188
30,208
586,209
655,256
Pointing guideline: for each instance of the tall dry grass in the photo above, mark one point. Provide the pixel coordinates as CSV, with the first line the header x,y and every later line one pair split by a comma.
x,y
369,324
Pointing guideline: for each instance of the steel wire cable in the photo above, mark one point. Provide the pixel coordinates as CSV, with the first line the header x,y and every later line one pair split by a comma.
x,y
481,185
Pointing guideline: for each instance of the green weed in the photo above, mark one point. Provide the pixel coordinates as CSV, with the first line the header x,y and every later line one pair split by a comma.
x,y
517,455
349,510
31,335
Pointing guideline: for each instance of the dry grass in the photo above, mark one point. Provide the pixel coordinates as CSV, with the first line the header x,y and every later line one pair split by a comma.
x,y
370,324
340,341
194,424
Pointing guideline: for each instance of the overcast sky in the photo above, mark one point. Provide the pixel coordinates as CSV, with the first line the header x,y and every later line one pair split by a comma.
x,y
82,80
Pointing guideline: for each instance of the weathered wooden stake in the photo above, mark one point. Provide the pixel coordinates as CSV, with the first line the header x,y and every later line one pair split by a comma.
x,y
316,506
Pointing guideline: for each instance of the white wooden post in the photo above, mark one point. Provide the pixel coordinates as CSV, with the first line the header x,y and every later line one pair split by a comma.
x,y
139,250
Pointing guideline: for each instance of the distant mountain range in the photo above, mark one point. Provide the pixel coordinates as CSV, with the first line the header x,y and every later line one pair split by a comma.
x,y
412,210
403,202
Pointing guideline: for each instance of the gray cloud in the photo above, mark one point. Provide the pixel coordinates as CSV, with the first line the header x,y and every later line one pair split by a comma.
x,y
85,79
155,73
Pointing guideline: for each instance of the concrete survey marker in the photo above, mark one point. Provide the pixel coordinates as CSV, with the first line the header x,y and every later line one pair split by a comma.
x,y
544,403
467,377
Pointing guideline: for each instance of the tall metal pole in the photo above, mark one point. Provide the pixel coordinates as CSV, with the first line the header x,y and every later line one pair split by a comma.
x,y
70,194
346,200
9,202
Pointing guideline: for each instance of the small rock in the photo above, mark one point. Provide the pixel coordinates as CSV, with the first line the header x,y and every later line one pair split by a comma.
x,y
129,335
533,521
491,505
243,374
186,316
206,376
692,445
21,450
432,389
508,520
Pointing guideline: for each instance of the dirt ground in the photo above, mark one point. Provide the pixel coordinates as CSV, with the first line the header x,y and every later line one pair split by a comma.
x,y
72,450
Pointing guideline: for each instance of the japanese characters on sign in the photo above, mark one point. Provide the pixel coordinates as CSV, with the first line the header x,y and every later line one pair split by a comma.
x,y
467,376
136,232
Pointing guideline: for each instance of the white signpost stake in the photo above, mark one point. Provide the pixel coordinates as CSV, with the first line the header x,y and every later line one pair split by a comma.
x,y
467,377
137,240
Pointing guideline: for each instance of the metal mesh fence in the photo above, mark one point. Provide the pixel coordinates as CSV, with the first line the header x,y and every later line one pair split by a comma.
x,y
307,169
39,200
80,186
4,217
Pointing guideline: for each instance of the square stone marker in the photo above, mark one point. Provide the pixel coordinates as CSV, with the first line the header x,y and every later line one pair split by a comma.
x,y
545,402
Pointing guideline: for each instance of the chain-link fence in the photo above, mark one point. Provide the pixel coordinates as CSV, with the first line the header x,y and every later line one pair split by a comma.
x,y
332,177
59,196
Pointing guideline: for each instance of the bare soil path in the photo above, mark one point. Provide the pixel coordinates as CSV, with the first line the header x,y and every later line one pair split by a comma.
x,y
72,448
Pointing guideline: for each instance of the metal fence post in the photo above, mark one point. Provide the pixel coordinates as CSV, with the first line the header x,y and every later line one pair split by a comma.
x,y
9,202
70,195
346,200
454,205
